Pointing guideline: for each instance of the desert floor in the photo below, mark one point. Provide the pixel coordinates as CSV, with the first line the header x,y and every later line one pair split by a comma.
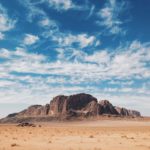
x,y
90,135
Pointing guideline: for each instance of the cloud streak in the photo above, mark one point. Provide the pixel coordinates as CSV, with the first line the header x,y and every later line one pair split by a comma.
x,y
97,66
83,40
30,39
6,23
110,14
61,5
32,76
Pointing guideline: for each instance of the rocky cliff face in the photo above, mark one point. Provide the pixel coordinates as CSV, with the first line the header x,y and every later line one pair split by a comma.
x,y
69,105
35,110
107,108
127,112
84,105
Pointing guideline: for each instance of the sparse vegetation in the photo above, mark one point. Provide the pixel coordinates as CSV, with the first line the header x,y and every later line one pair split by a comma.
x,y
14,145
91,136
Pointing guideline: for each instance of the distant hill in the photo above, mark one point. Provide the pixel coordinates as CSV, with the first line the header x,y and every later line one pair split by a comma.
x,y
66,107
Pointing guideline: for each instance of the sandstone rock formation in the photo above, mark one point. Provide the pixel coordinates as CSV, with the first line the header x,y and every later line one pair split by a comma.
x,y
74,104
127,112
78,105
107,108
35,110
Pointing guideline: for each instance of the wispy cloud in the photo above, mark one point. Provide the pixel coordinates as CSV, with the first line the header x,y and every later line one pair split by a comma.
x,y
83,40
30,39
32,9
46,22
2,36
61,4
110,16
58,5
31,74
95,67
119,65
91,11
6,23
99,57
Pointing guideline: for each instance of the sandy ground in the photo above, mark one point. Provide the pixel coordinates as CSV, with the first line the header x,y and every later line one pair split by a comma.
x,y
92,135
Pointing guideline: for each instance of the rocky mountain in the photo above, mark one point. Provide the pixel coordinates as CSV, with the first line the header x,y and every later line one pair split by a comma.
x,y
62,107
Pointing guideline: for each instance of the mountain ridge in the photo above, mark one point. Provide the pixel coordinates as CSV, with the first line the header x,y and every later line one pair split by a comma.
x,y
63,107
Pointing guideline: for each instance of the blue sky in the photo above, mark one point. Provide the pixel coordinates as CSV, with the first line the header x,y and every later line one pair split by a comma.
x,y
52,47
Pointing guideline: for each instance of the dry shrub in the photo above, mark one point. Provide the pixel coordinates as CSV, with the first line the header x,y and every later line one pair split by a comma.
x,y
14,145
91,136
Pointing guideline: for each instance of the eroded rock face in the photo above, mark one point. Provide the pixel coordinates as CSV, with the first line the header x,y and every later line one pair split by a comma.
x,y
127,112
58,105
74,104
84,105
134,113
122,111
35,110
92,109
12,115
107,108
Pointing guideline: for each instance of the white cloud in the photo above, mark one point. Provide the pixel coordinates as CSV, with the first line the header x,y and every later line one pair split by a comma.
x,y
83,40
30,39
32,9
49,24
20,54
91,11
2,36
46,22
61,4
128,63
84,74
99,57
110,16
122,82
58,5
6,23
4,53
133,61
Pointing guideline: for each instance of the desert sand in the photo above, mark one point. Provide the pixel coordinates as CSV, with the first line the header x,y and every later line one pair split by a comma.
x,y
85,135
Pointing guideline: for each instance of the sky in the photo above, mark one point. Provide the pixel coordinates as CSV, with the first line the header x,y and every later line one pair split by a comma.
x,y
53,47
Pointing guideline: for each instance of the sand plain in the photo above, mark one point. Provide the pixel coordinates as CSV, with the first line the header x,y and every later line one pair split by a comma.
x,y
84,135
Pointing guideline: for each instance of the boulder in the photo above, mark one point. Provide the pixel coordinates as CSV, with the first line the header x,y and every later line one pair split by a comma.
x,y
26,124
